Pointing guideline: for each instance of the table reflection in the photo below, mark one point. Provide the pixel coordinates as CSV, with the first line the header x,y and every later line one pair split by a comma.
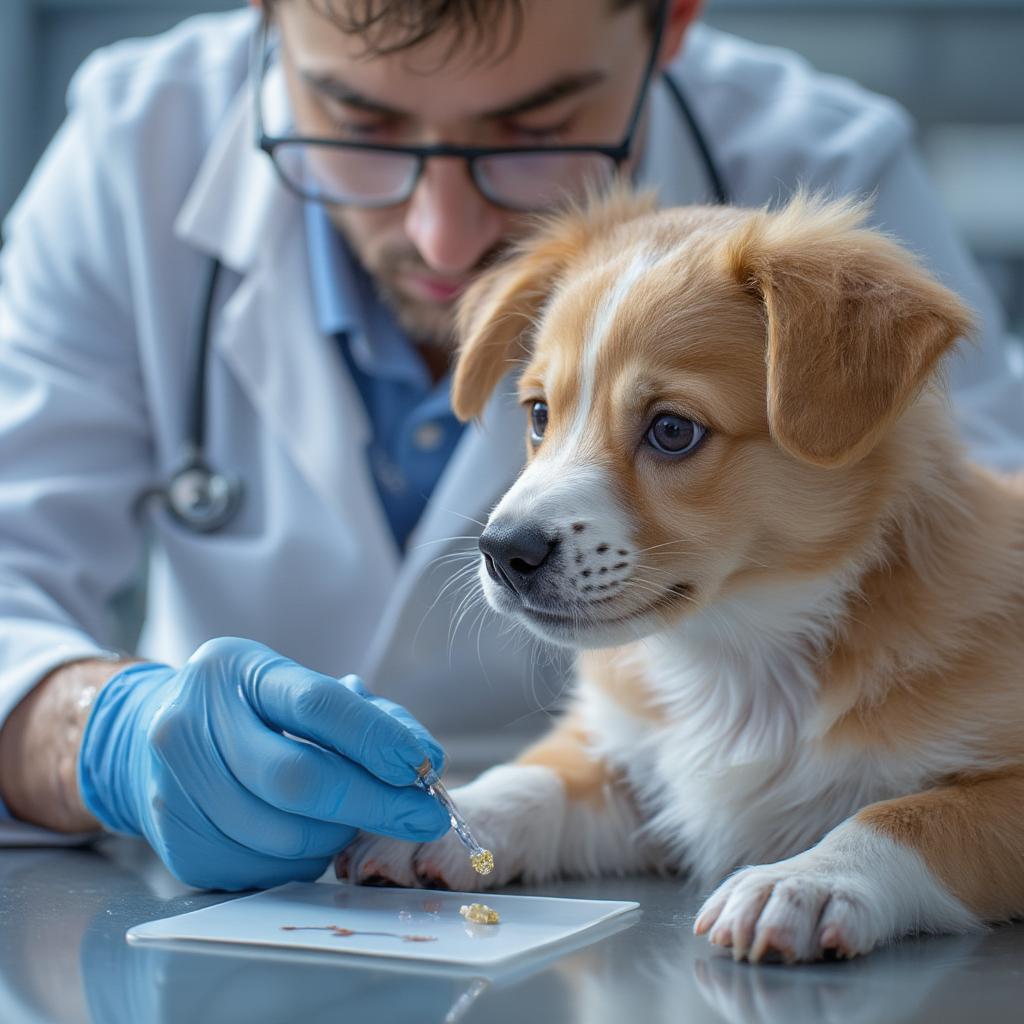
x,y
675,977
64,958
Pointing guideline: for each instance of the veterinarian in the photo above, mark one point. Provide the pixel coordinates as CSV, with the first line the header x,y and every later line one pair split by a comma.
x,y
228,361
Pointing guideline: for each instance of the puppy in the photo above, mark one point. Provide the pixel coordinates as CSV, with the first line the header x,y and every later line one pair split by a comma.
x,y
800,608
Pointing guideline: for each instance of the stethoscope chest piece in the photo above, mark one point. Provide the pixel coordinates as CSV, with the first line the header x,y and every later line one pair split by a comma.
x,y
200,498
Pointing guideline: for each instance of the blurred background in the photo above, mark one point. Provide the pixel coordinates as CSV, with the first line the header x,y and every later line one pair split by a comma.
x,y
956,65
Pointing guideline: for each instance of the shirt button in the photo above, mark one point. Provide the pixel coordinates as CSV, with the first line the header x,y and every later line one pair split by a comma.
x,y
428,436
389,476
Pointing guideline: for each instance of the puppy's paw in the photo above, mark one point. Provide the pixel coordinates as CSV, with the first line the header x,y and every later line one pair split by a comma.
x,y
515,811
853,891
791,912
378,860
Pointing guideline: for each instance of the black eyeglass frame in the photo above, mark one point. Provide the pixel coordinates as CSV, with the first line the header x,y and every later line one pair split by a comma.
x,y
618,153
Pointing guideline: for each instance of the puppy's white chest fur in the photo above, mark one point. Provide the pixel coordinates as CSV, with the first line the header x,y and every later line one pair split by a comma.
x,y
735,772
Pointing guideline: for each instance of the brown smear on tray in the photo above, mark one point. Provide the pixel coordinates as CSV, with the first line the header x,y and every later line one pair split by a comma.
x,y
343,933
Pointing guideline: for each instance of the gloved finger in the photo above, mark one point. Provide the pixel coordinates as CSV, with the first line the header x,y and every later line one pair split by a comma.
x,y
322,710
271,832
223,804
256,825
246,870
435,752
199,854
306,780
355,684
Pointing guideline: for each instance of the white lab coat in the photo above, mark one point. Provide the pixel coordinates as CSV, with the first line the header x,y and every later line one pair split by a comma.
x,y
153,173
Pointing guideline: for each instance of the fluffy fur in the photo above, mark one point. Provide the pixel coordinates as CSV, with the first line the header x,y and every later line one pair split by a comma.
x,y
802,643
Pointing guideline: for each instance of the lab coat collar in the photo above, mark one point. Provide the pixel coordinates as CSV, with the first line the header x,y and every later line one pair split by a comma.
x,y
346,304
238,206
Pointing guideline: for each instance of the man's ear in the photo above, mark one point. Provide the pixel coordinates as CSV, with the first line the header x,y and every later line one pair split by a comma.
x,y
855,327
497,314
680,16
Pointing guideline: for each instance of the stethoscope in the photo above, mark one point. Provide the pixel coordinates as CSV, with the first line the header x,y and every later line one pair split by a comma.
x,y
198,496
204,499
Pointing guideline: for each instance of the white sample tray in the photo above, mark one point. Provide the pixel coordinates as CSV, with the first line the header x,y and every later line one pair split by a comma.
x,y
303,915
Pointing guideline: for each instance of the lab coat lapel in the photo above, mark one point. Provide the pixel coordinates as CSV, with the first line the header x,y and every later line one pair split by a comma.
x,y
295,376
237,205
239,211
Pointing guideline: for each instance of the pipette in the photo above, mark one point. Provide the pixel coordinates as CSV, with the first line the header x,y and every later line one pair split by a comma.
x,y
481,859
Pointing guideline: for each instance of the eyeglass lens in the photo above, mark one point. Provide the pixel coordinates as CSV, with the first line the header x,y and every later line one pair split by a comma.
x,y
534,181
526,181
338,175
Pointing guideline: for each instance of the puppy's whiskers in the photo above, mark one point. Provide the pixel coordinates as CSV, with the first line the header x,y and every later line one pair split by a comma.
x,y
456,581
462,515
445,540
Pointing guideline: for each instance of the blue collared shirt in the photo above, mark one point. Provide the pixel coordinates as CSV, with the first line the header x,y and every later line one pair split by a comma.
x,y
413,430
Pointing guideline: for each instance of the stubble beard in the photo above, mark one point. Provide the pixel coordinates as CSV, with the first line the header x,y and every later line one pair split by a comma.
x,y
424,322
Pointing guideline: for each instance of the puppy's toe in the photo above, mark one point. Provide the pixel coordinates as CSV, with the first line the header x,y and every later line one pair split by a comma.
x,y
341,861
736,913
787,923
844,929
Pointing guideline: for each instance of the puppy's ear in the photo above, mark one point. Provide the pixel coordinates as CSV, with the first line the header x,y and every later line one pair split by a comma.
x,y
855,326
496,315
494,321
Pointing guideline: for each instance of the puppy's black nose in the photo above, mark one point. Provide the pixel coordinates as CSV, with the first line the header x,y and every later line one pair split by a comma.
x,y
513,554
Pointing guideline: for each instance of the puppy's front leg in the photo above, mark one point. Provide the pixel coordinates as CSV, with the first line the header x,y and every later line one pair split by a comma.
x,y
945,860
556,810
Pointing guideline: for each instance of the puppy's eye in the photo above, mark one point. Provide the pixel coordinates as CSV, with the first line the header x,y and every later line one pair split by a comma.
x,y
674,435
538,421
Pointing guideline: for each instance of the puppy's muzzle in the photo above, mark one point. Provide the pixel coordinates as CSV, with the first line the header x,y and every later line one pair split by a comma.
x,y
515,554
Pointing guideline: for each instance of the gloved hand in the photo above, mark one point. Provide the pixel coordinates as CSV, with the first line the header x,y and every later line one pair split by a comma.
x,y
198,762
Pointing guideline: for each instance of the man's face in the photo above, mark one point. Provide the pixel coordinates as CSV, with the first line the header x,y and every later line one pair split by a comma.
x,y
572,76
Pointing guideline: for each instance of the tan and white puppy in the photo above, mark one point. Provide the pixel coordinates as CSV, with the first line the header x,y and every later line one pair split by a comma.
x,y
801,609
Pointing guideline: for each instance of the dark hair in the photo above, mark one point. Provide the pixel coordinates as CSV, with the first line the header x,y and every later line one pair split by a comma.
x,y
390,26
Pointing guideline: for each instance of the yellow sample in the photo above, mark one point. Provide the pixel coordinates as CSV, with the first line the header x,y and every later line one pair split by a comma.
x,y
479,913
483,862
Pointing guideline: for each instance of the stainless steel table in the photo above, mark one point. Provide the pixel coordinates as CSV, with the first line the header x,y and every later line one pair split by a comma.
x,y
63,958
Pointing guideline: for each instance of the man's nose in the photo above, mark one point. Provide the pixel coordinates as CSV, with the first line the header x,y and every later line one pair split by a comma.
x,y
514,554
451,224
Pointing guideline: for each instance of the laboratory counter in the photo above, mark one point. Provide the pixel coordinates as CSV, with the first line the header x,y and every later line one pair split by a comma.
x,y
64,958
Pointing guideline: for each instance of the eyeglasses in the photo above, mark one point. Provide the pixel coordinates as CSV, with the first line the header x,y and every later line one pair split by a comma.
x,y
371,175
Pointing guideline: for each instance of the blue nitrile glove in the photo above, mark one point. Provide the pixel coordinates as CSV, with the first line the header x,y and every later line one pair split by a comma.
x,y
198,762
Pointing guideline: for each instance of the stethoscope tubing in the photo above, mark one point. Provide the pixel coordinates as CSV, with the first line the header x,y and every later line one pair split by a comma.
x,y
715,178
